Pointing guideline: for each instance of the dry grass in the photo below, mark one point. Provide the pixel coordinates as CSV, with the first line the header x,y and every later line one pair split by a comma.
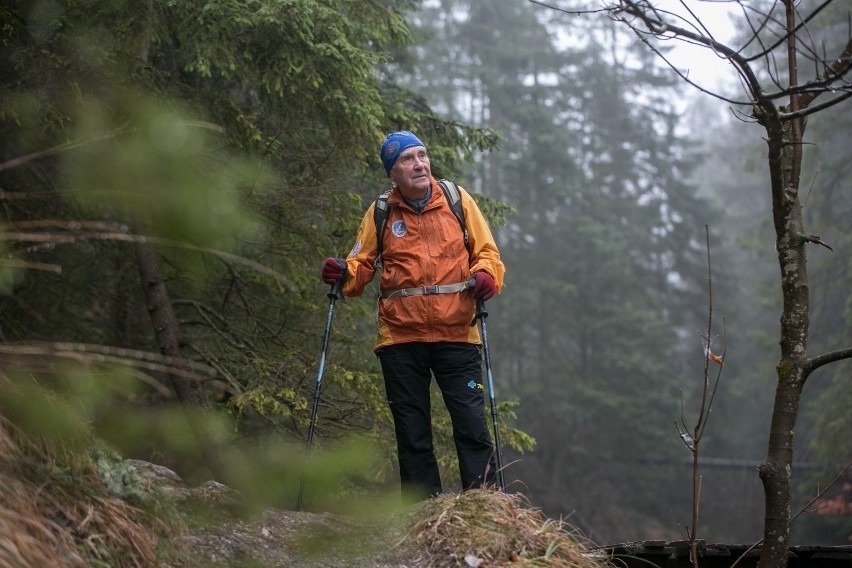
x,y
58,514
489,529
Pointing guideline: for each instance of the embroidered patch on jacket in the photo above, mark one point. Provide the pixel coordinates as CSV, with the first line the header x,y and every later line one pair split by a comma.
x,y
398,228
475,385
355,250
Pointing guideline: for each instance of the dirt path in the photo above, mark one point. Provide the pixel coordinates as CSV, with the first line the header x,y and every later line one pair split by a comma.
x,y
288,538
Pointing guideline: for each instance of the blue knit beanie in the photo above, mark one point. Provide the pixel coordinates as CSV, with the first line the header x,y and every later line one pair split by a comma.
x,y
393,146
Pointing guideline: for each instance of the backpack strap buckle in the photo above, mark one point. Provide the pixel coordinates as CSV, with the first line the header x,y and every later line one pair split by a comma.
x,y
426,290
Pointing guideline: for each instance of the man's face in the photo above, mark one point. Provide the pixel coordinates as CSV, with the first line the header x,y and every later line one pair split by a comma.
x,y
412,172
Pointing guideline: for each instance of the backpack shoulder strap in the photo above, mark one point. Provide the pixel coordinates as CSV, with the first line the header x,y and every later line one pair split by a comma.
x,y
451,192
380,218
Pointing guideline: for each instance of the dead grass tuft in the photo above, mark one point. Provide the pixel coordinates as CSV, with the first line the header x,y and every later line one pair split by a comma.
x,y
54,513
483,528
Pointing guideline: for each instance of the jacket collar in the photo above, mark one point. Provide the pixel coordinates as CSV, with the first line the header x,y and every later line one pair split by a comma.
x,y
395,198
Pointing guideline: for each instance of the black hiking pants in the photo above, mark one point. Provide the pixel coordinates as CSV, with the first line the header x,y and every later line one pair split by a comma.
x,y
457,367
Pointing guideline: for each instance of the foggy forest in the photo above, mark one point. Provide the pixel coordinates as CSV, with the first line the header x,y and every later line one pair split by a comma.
x,y
173,174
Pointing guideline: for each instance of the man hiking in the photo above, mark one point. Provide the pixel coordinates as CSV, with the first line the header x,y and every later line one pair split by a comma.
x,y
436,258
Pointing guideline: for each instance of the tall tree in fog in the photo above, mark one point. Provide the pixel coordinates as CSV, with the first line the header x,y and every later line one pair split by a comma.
x,y
600,254
811,78
749,269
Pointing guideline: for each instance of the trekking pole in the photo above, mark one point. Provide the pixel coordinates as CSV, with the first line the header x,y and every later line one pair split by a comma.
x,y
333,294
481,314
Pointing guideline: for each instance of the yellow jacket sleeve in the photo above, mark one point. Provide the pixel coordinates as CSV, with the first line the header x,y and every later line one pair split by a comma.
x,y
484,254
361,261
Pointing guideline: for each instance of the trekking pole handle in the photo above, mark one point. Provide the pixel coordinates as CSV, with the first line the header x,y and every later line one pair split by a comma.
x,y
481,312
334,293
480,304
480,309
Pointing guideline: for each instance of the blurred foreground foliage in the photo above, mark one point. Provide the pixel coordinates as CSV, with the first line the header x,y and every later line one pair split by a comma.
x,y
70,499
56,508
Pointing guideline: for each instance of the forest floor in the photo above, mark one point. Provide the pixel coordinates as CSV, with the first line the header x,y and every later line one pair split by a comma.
x,y
289,538
217,530
55,518
477,528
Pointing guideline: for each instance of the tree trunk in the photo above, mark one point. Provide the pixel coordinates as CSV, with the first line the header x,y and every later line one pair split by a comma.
x,y
167,330
166,326
776,470
785,166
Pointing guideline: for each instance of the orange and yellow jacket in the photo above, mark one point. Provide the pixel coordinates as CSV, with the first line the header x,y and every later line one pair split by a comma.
x,y
424,249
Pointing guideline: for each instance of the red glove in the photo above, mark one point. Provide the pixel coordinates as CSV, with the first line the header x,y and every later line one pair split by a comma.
x,y
333,269
483,288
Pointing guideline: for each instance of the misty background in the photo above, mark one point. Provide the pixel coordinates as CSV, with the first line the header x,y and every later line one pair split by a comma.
x,y
614,167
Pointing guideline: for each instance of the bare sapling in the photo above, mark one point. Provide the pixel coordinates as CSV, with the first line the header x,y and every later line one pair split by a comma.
x,y
691,437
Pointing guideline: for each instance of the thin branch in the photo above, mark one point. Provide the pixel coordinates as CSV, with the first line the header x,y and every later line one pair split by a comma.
x,y
792,32
813,109
812,89
809,91
755,31
659,27
15,263
80,230
814,239
698,20
715,388
708,339
136,361
819,494
801,510
15,162
684,77
143,358
565,11
815,363
812,184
